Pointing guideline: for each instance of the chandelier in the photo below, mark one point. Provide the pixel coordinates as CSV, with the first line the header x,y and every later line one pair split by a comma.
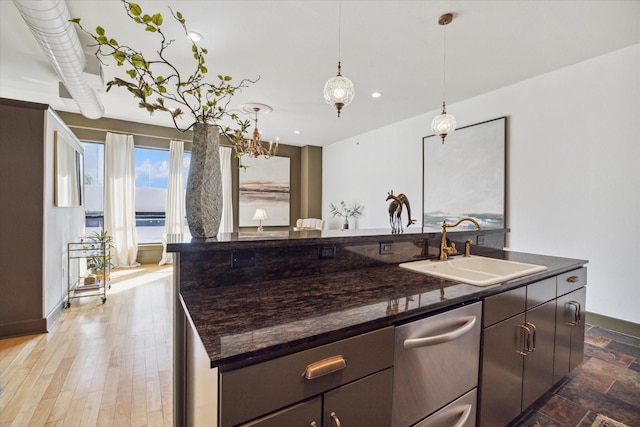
x,y
255,147
339,90
444,124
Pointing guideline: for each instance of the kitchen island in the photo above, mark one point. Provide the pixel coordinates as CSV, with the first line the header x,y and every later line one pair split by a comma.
x,y
248,298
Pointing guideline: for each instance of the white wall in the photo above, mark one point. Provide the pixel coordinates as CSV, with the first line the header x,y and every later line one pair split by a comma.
x,y
573,170
61,224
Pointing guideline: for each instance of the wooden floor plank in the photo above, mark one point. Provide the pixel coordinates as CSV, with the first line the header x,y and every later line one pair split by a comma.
x,y
42,413
60,407
100,364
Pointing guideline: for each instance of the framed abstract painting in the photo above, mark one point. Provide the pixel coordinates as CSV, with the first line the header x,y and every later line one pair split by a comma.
x,y
264,184
466,176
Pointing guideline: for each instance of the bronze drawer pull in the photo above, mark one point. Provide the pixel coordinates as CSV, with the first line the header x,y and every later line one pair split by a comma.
x,y
573,279
324,367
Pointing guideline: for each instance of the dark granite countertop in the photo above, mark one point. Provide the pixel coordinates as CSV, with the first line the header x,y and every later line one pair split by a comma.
x,y
251,322
224,241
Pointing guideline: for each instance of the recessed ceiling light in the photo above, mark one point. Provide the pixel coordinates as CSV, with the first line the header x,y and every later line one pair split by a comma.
x,y
376,94
195,37
296,132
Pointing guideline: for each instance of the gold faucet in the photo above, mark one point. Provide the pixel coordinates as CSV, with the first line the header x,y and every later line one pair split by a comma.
x,y
444,249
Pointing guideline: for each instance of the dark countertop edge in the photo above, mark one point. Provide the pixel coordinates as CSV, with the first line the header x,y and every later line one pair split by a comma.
x,y
294,346
240,240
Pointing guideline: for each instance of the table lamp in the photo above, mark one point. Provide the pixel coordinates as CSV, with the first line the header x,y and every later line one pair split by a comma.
x,y
259,216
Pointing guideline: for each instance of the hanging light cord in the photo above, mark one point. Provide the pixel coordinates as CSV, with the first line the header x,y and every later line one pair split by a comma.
x,y
444,66
339,28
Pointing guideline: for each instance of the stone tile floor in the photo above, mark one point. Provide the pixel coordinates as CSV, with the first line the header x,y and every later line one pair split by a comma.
x,y
607,383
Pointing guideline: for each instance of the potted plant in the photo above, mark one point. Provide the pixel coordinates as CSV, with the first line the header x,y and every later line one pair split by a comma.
x,y
345,211
178,89
100,262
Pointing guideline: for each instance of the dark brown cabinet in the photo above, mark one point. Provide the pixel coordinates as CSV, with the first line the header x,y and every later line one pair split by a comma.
x,y
569,344
520,349
348,383
362,403
305,414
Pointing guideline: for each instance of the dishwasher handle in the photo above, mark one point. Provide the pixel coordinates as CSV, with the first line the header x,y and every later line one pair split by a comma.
x,y
442,338
464,416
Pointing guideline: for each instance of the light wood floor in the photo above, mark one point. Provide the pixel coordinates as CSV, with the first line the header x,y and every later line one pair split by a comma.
x,y
100,365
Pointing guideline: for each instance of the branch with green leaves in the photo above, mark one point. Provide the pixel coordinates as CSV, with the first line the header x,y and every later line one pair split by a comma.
x,y
158,78
345,211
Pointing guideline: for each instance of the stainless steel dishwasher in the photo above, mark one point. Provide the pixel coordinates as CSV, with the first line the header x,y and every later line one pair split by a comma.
x,y
436,369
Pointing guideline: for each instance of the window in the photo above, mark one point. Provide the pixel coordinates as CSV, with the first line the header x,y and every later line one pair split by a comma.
x,y
93,186
151,177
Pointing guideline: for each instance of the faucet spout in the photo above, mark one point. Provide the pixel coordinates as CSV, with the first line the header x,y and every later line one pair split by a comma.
x,y
448,250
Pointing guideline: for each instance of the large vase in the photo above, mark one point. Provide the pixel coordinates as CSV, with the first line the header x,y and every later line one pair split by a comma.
x,y
203,200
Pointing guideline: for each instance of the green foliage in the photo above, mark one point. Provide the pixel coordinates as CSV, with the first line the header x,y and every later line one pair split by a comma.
x,y
147,77
346,211
99,262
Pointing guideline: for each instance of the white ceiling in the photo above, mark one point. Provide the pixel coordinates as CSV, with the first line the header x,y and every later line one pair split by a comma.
x,y
392,46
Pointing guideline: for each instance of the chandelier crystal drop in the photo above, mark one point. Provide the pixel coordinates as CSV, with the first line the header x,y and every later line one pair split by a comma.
x,y
339,91
444,124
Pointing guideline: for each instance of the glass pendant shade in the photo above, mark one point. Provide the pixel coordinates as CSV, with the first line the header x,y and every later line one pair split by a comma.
x,y
339,91
443,124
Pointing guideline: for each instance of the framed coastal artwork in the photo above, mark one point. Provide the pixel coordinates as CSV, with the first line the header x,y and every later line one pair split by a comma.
x,y
466,176
264,184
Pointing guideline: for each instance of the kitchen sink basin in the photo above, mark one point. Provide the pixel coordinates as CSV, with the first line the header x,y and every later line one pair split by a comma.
x,y
474,270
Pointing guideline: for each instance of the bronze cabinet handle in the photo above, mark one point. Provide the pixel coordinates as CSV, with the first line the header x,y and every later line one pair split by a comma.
x,y
576,313
530,348
526,343
573,279
335,419
324,367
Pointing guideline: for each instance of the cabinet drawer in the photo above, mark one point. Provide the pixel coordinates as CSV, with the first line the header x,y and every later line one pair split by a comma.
x,y
541,292
265,387
502,306
303,415
571,280
460,412
362,403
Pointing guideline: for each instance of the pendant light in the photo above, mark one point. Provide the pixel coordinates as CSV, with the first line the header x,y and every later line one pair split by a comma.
x,y
339,90
444,124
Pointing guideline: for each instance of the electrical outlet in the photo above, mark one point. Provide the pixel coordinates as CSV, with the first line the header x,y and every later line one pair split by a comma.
x,y
480,240
243,258
386,248
327,252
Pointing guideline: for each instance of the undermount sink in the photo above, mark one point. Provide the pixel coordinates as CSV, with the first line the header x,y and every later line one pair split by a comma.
x,y
474,270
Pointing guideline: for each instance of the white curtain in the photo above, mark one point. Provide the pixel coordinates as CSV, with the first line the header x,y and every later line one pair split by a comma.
x,y
174,218
226,224
119,199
